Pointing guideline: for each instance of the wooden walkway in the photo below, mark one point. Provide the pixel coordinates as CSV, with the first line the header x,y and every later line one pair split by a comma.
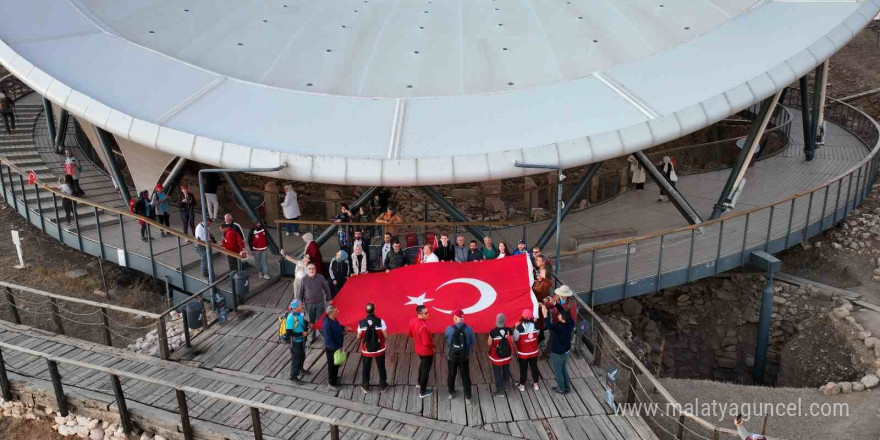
x,y
244,359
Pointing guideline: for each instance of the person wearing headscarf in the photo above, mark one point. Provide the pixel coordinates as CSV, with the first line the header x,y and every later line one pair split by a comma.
x,y
290,209
339,272
314,252
667,167
637,171
359,261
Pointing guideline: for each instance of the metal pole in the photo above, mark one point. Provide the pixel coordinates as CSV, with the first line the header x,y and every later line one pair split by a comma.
x,y
582,186
818,104
180,262
27,212
763,330
76,223
453,212
50,118
718,252
753,140
184,415
678,200
805,118
105,140
61,133
40,208
255,422
12,187
173,176
121,407
59,389
100,237
558,219
239,194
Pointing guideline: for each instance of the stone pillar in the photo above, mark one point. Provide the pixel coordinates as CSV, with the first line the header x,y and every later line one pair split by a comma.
x,y
624,178
530,195
333,199
271,205
492,194
594,189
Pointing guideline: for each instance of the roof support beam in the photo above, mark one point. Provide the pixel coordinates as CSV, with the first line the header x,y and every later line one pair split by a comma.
x,y
174,176
61,133
818,109
245,204
453,212
678,200
578,192
365,197
105,140
809,141
50,117
753,140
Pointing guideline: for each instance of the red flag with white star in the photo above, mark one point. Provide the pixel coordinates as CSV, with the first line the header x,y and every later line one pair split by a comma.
x,y
481,289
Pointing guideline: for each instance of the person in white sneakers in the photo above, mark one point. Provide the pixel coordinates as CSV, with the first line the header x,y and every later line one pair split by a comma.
x,y
525,335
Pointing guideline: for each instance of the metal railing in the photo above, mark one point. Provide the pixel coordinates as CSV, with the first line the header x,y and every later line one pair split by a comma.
x,y
13,86
181,308
337,426
105,234
633,266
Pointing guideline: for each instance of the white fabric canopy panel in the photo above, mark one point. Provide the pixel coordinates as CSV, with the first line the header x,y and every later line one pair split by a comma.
x,y
414,92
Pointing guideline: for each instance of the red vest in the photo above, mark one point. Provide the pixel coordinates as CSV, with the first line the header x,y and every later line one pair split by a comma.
x,y
527,344
500,336
259,243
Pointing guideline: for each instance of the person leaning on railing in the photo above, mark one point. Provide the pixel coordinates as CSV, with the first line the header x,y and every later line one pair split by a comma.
x,y
390,217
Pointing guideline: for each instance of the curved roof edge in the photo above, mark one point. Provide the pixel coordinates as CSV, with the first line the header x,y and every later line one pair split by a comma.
x,y
656,129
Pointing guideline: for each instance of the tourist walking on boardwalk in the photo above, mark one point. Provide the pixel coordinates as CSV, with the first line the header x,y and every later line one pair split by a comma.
x,y
461,250
525,335
445,249
202,251
460,341
395,259
66,188
500,353
667,167
314,252
428,255
142,208
359,261
212,205
297,327
334,337
315,293
258,240
561,328
159,201
73,169
290,209
187,207
372,332
420,333
339,271
232,242
474,253
7,112
489,250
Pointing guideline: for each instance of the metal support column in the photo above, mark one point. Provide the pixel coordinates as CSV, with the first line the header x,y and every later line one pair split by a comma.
x,y
365,198
582,186
738,172
105,140
678,200
246,205
818,103
174,175
453,212
50,118
823,90
809,147
61,132
771,264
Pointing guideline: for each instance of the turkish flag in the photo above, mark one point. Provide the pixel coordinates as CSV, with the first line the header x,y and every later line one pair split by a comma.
x,y
32,177
481,289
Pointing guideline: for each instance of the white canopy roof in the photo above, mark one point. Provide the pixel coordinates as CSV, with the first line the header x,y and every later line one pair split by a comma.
x,y
414,92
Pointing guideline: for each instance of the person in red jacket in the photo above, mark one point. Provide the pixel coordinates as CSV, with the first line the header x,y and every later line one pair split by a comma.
x,y
525,334
421,334
231,242
500,353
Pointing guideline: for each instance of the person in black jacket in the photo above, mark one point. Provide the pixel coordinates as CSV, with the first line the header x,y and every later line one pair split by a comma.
x,y
334,337
396,258
339,272
474,253
561,328
445,250
144,209
187,207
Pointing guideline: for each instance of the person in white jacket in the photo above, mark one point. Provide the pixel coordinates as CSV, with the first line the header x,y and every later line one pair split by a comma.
x,y
290,206
358,261
637,171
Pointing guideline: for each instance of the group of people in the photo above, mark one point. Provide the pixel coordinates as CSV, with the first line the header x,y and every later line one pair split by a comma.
x,y
522,341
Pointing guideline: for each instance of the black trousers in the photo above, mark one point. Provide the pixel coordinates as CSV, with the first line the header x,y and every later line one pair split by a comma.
x,y
332,369
144,231
8,120
297,357
456,367
367,366
189,222
502,375
524,365
425,363
233,263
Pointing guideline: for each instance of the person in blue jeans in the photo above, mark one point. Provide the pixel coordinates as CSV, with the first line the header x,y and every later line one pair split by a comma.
x,y
561,328
334,338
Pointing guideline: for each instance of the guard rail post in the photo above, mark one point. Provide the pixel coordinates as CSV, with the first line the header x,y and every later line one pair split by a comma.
x,y
56,316
14,307
679,427
40,208
60,402
27,212
121,407
334,432
100,237
255,422
4,380
105,325
163,338
184,415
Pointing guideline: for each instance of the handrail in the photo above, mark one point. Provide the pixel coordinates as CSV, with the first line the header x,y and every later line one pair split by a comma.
x,y
405,223
86,202
199,293
332,421
80,301
736,214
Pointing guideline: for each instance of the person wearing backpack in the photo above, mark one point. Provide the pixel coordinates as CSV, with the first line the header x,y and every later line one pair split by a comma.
x,y
500,353
334,337
297,327
525,335
372,333
460,341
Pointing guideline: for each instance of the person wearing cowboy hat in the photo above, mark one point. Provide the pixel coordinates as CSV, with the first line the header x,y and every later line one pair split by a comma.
x,y
563,300
561,329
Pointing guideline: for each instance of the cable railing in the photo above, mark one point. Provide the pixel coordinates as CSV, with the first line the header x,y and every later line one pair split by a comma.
x,y
184,394
632,266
